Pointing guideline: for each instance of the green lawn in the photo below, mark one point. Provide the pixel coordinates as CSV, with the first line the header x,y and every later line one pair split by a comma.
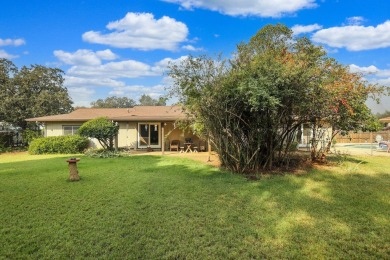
x,y
153,207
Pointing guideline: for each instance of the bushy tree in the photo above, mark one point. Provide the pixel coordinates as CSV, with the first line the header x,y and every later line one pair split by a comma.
x,y
147,100
113,102
252,104
102,129
31,92
124,102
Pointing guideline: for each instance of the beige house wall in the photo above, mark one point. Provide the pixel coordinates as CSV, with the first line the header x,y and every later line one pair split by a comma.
x,y
128,133
56,129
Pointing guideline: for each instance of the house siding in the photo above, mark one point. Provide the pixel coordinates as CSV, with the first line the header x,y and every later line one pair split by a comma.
x,y
127,135
56,129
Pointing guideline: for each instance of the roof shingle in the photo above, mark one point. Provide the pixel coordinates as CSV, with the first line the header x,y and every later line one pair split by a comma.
x,y
137,113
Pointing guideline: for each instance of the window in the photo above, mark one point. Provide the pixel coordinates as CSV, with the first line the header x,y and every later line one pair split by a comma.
x,y
70,129
149,135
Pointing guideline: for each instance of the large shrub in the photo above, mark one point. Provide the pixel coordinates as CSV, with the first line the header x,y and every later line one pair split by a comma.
x,y
102,129
253,104
29,135
6,140
58,144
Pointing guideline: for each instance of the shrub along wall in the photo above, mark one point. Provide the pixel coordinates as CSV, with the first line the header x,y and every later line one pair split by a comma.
x,y
58,144
6,139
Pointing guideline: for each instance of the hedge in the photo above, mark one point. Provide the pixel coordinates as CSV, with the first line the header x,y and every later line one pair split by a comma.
x,y
6,139
58,144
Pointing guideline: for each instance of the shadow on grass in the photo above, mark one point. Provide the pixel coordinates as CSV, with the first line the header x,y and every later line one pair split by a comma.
x,y
340,158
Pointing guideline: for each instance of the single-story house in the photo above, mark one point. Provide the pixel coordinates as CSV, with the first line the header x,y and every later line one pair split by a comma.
x,y
140,127
385,119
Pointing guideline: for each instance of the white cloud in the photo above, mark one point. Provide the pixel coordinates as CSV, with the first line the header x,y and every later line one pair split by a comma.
x,y
263,8
84,57
12,42
108,74
73,81
298,29
81,96
141,31
355,20
384,82
6,55
375,75
106,55
162,65
81,80
354,37
136,91
120,69
364,70
191,48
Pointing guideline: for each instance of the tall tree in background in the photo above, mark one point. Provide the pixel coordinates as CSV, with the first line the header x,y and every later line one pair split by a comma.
x,y
31,92
113,102
7,70
124,102
147,100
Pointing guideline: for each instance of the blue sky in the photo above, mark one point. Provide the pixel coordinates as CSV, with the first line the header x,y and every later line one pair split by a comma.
x,y
122,47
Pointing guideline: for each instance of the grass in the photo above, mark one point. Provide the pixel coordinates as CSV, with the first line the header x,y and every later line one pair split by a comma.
x,y
154,207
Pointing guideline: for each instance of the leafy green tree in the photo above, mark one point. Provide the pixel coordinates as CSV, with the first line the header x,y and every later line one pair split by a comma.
x,y
113,102
102,129
253,104
7,70
147,100
31,92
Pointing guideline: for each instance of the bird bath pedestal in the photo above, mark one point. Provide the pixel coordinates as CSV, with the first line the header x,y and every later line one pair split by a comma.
x,y
73,172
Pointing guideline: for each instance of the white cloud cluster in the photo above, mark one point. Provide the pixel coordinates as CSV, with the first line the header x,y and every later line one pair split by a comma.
x,y
85,57
262,8
12,42
118,69
364,70
376,76
355,20
91,69
299,29
138,90
6,55
355,37
191,48
81,96
141,31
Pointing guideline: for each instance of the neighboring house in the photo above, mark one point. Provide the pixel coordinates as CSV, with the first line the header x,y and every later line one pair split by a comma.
x,y
385,120
15,132
140,127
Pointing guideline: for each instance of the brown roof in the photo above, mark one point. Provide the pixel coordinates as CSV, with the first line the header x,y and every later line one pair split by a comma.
x,y
386,119
137,113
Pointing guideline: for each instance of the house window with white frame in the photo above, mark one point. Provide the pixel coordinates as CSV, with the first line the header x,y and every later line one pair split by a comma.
x,y
70,129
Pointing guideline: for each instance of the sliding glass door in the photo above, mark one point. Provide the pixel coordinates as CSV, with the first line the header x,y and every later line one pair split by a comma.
x,y
149,135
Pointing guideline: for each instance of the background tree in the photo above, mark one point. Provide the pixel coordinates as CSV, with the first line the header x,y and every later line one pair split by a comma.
x,y
113,102
253,104
102,129
31,92
7,70
147,100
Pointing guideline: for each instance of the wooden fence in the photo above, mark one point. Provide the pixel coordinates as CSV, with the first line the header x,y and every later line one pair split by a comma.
x,y
363,137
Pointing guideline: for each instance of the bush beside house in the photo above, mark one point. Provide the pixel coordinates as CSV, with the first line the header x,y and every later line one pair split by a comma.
x,y
102,129
58,144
